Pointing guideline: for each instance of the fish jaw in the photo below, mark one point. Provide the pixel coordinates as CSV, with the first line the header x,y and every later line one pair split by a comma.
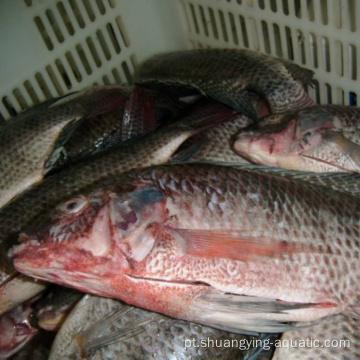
x,y
72,243
268,149
73,267
109,280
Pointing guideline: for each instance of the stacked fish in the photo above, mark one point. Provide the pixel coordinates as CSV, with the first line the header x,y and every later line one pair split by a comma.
x,y
143,196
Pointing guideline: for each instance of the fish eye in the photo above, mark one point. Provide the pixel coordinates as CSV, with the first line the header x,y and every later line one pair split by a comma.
x,y
74,205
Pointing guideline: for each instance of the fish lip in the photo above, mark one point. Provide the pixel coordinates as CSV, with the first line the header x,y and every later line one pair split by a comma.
x,y
25,237
18,249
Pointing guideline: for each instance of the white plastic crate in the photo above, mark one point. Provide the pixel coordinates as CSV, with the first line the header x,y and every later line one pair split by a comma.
x,y
51,47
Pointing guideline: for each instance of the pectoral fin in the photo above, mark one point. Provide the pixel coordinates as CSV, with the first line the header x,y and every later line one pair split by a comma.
x,y
246,314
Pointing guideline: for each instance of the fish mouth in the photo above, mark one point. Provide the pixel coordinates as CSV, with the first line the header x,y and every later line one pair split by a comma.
x,y
59,275
243,141
25,242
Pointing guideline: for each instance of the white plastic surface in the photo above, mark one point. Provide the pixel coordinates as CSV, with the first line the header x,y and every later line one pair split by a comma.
x,y
321,35
52,47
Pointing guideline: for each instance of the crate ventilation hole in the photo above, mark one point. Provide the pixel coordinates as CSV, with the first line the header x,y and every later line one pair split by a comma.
x,y
228,29
57,25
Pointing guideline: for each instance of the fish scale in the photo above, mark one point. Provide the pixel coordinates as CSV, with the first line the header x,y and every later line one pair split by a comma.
x,y
319,138
31,142
161,338
286,243
228,74
338,331
34,205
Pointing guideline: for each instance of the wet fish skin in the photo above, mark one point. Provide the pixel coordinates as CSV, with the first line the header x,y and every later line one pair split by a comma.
x,y
30,144
313,342
154,149
94,131
340,181
159,339
321,138
17,288
215,144
228,74
34,206
160,230
141,113
55,306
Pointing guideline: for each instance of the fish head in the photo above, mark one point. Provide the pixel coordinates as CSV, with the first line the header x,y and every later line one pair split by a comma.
x,y
268,144
93,237
303,141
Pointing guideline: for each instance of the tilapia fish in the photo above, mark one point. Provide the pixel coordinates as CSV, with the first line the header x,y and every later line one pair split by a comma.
x,y
322,138
233,249
228,75
332,338
34,205
30,144
103,328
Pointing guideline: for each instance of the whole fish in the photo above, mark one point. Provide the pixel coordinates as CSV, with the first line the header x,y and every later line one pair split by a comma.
x,y
103,328
233,249
321,138
331,338
33,206
30,144
228,75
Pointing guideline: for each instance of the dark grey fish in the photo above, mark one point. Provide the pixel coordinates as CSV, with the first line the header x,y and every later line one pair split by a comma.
x,y
103,328
141,112
93,133
30,144
228,75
